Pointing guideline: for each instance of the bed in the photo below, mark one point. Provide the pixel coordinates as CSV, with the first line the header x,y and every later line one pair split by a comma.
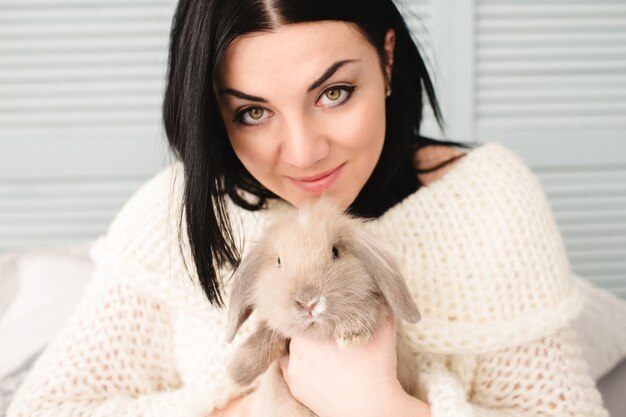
x,y
39,289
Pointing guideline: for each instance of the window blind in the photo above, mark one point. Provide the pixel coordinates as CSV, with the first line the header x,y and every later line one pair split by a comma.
x,y
80,122
550,82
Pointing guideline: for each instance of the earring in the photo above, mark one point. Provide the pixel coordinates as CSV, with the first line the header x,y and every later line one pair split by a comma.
x,y
388,92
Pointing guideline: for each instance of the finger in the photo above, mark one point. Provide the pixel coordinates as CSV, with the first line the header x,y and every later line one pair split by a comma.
x,y
386,333
284,367
393,323
388,327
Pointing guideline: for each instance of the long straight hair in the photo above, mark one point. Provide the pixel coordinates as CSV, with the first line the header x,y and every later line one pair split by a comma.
x,y
201,31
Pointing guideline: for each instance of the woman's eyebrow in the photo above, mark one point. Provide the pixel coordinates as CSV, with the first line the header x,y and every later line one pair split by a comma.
x,y
240,94
329,73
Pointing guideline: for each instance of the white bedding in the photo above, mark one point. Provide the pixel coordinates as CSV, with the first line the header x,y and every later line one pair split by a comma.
x,y
40,288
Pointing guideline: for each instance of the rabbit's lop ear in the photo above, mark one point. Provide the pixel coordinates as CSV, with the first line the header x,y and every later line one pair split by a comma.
x,y
241,296
385,271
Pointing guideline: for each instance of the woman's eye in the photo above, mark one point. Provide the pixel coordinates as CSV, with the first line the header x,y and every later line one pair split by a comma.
x,y
333,94
333,97
250,116
336,96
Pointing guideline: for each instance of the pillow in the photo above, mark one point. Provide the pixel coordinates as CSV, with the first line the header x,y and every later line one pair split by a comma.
x,y
612,386
600,328
11,382
48,284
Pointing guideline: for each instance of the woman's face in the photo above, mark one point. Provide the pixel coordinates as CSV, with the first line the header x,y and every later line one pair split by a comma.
x,y
304,108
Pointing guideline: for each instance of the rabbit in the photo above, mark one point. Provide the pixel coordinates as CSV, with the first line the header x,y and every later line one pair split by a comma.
x,y
316,272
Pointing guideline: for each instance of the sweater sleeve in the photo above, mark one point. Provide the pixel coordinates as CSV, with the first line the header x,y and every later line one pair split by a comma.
x,y
547,378
545,374
116,356
513,354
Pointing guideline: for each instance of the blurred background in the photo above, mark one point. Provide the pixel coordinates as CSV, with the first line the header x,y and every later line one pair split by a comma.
x,y
81,85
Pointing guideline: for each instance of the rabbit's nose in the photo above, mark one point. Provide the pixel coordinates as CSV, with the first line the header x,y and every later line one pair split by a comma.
x,y
310,306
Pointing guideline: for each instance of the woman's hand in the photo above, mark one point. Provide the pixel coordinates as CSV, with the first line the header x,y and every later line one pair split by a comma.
x,y
361,381
238,407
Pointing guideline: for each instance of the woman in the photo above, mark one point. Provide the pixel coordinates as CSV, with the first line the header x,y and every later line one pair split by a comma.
x,y
279,102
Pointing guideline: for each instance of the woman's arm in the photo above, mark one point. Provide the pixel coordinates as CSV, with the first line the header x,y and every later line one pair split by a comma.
x,y
114,357
548,377
238,407
359,381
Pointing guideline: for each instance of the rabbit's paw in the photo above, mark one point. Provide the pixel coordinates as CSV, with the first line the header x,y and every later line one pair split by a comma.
x,y
349,340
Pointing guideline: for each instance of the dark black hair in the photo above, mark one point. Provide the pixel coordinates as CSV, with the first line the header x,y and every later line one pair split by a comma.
x,y
201,31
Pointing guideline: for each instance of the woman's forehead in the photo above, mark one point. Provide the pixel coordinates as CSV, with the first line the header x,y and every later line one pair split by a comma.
x,y
302,48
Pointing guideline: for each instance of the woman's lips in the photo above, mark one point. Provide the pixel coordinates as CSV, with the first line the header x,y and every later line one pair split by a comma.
x,y
317,183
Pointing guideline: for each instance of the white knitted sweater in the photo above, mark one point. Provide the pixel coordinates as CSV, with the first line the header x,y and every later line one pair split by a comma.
x,y
482,256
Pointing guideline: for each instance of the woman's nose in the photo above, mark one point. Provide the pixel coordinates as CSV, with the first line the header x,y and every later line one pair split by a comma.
x,y
303,144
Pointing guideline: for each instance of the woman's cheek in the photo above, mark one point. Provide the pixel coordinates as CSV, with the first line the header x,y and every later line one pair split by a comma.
x,y
255,151
362,126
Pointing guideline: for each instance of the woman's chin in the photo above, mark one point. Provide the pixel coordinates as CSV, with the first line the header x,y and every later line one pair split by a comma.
x,y
341,199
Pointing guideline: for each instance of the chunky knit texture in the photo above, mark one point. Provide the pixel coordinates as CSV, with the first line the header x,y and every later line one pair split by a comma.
x,y
482,256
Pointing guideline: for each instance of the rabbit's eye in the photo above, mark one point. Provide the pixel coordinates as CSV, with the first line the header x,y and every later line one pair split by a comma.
x,y
335,252
278,262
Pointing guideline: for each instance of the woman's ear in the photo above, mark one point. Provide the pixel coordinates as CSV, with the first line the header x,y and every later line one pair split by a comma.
x,y
390,42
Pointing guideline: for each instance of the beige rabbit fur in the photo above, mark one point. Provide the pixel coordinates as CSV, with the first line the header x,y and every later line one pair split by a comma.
x,y
316,273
